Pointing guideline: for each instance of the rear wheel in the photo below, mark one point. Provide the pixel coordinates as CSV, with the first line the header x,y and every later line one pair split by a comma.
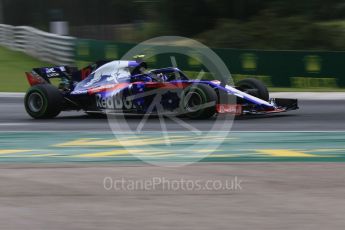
x,y
199,101
254,87
43,101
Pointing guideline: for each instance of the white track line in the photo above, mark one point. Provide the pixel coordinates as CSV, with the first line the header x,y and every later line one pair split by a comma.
x,y
310,95
14,124
12,95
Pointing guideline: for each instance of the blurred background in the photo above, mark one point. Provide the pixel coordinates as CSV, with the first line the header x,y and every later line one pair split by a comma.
x,y
287,44
258,24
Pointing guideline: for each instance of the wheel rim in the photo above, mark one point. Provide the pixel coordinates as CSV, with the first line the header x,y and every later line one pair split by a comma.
x,y
193,101
35,102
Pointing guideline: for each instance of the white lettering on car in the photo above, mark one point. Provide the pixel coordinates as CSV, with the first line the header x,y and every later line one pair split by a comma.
x,y
113,102
127,103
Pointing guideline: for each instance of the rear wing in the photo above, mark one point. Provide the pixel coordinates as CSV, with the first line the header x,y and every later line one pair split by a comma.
x,y
44,75
71,74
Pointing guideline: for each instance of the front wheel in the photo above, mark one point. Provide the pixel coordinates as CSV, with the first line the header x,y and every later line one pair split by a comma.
x,y
43,101
199,101
254,87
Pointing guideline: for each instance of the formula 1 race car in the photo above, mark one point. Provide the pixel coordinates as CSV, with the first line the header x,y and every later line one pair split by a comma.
x,y
128,87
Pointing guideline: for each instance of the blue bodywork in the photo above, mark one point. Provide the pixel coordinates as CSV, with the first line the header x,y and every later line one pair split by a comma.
x,y
128,85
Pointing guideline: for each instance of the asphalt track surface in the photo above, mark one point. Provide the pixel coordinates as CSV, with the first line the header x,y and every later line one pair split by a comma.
x,y
313,115
277,195
269,196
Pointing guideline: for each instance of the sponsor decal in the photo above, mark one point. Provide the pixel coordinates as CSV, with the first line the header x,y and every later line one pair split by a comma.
x,y
113,102
113,72
76,92
119,75
96,78
235,109
51,72
128,104
54,71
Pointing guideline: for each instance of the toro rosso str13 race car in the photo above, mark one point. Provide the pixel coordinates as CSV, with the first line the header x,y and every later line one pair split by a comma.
x,y
127,87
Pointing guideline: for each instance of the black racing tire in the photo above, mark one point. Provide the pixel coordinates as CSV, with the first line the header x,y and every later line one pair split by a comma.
x,y
43,101
198,101
254,87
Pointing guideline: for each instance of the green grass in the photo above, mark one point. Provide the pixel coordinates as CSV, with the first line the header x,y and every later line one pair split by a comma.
x,y
13,66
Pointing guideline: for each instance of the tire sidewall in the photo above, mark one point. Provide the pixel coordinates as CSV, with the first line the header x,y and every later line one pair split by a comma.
x,y
45,102
204,95
252,83
52,100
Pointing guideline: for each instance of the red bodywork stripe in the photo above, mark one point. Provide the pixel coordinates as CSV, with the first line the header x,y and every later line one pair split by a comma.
x,y
161,85
106,88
